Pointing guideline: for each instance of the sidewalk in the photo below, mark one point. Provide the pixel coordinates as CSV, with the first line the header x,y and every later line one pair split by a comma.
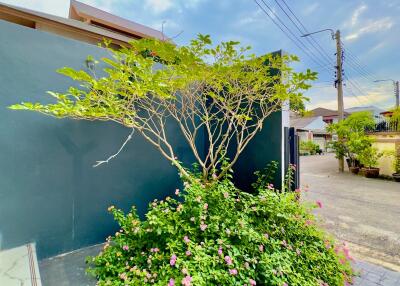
x,y
373,275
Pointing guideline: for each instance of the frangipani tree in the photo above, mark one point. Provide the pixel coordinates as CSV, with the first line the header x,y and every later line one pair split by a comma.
x,y
221,90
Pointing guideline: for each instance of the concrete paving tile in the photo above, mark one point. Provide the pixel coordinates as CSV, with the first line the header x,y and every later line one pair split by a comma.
x,y
19,266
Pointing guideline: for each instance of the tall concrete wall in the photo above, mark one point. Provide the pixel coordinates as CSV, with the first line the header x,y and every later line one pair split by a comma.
x,y
49,192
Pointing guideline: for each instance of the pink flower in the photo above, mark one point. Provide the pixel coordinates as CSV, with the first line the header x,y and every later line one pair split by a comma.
x,y
298,251
228,260
214,176
172,261
185,271
226,195
154,250
293,167
319,204
297,190
252,282
186,239
308,222
125,247
266,235
203,226
177,192
188,253
233,272
261,247
284,284
220,251
205,206
179,207
186,281
123,276
171,282
270,186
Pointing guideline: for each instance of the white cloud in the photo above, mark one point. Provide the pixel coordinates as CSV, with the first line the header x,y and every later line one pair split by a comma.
x,y
254,17
377,47
190,4
326,97
59,8
159,6
372,27
310,9
357,13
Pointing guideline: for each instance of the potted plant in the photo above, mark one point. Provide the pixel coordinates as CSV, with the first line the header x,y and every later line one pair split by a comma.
x,y
353,138
369,158
357,143
396,165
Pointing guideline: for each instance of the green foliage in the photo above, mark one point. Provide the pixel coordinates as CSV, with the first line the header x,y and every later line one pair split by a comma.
x,y
309,147
370,156
220,235
395,118
353,141
223,89
396,161
266,176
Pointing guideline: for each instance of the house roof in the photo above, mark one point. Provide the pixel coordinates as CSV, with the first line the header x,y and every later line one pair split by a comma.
x,y
371,108
83,12
84,20
301,122
320,111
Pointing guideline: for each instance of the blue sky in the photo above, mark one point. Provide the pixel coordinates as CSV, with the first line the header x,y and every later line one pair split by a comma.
x,y
369,29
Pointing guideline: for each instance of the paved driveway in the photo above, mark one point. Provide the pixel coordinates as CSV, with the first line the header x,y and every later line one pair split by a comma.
x,y
364,212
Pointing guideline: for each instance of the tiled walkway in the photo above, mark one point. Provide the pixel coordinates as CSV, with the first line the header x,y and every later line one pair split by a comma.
x,y
18,267
373,275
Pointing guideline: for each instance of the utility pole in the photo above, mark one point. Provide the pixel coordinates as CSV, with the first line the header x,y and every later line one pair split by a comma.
x,y
339,86
338,81
396,89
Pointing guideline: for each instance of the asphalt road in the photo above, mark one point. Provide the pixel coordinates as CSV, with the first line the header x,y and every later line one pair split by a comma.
x,y
363,212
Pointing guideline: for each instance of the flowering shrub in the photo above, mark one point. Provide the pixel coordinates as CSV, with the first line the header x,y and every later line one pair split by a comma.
x,y
219,235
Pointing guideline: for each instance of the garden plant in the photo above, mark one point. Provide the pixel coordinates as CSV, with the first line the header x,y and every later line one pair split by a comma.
x,y
394,120
354,141
211,233
309,147
396,165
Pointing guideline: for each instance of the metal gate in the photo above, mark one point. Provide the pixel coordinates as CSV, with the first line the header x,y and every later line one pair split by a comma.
x,y
292,155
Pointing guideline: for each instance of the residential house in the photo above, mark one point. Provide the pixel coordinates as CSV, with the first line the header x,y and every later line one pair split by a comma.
x,y
328,115
311,128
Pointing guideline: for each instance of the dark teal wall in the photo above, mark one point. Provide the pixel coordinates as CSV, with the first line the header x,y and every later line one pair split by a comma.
x,y
264,148
49,192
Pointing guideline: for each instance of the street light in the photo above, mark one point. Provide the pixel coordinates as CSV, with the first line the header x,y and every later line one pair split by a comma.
x,y
396,88
332,33
339,80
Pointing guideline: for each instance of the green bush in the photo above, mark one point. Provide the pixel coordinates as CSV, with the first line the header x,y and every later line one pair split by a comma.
x,y
309,147
219,235
396,161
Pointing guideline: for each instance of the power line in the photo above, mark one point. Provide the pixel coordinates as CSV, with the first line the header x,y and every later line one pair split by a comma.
x,y
356,65
292,36
319,49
